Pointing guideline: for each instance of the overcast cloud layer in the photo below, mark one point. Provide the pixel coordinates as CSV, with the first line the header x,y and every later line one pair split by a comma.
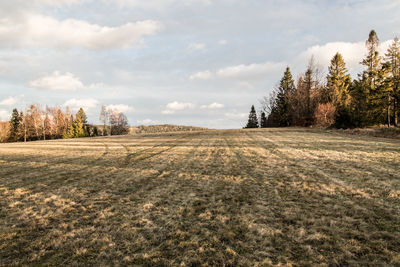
x,y
191,62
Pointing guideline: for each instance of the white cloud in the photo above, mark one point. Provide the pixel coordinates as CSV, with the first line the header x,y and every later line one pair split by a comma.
x,y
214,105
121,108
197,46
236,115
9,101
353,53
44,31
222,42
4,115
146,122
58,82
257,70
172,107
203,75
167,112
157,4
76,104
56,2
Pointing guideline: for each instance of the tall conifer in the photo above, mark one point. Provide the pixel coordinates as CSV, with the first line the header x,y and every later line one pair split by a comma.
x,y
253,121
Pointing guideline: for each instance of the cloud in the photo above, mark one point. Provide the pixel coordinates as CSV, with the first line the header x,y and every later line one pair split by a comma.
x,y
203,75
43,31
353,53
146,122
214,105
10,101
4,115
222,42
172,107
157,4
197,46
76,104
235,115
121,108
256,70
56,2
58,82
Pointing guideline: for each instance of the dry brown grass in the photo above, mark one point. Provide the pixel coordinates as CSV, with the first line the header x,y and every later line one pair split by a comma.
x,y
211,198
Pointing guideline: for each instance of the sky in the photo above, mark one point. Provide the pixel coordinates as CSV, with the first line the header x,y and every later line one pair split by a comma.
x,y
187,62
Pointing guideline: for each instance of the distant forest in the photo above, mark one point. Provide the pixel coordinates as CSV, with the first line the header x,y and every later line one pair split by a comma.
x,y
336,100
36,123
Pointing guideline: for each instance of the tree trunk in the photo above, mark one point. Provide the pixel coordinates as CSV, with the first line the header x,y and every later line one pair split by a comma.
x,y
388,112
396,112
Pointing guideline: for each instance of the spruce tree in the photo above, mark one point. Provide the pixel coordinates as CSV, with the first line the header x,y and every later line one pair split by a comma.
x,y
253,121
393,79
282,107
81,123
263,120
81,115
15,123
308,86
338,84
366,91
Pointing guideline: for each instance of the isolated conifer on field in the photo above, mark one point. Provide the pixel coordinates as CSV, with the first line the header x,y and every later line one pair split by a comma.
x,y
253,121
15,123
263,120
282,107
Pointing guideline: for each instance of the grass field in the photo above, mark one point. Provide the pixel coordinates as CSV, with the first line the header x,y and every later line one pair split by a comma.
x,y
213,198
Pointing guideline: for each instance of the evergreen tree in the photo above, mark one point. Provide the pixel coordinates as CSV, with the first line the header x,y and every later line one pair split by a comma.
x,y
372,60
282,107
367,91
81,123
393,79
263,120
253,121
77,128
338,84
81,115
308,86
15,123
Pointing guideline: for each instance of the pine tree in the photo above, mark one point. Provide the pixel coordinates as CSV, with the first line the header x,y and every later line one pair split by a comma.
x,y
81,115
393,79
15,123
338,84
82,119
308,86
282,108
366,92
372,60
263,120
253,121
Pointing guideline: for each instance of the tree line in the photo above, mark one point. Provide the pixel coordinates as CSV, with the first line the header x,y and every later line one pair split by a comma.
x,y
336,100
36,123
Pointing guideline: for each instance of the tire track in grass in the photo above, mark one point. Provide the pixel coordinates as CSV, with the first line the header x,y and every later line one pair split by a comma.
x,y
47,174
137,156
178,198
94,204
55,160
